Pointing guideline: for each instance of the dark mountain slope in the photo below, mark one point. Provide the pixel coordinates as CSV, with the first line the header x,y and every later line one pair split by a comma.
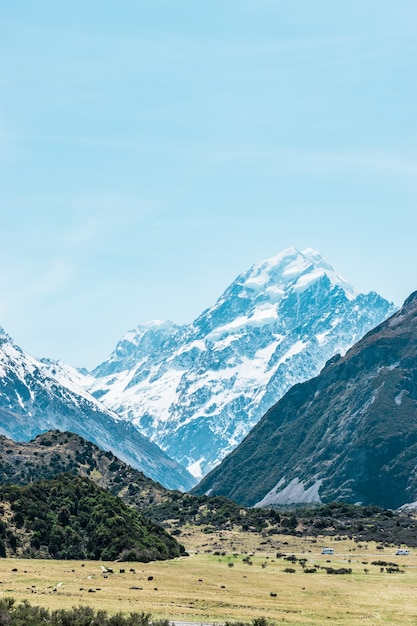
x,y
350,434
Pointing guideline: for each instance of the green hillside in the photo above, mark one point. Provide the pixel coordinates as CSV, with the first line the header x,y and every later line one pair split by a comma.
x,y
72,518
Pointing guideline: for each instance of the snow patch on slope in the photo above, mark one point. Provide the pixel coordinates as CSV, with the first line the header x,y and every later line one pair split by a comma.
x,y
195,468
399,397
293,492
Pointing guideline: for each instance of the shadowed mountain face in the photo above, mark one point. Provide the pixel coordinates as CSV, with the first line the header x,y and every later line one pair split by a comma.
x,y
33,401
349,434
197,390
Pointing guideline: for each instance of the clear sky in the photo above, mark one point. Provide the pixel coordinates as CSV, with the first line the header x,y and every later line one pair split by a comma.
x,y
151,150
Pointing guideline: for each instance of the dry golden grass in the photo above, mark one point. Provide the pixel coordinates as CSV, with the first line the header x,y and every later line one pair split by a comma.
x,y
206,588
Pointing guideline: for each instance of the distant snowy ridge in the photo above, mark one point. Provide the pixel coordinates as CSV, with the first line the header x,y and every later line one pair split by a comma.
x,y
196,390
37,396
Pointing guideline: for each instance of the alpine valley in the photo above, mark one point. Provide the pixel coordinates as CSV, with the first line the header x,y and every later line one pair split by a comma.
x,y
349,434
196,390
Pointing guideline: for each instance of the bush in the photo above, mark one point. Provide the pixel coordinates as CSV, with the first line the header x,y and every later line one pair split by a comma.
x,y
257,621
24,614
341,570
12,614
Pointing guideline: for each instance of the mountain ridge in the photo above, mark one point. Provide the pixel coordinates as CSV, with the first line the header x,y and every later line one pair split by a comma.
x,y
56,452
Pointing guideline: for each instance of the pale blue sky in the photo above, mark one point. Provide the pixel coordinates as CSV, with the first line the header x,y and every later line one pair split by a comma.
x,y
152,150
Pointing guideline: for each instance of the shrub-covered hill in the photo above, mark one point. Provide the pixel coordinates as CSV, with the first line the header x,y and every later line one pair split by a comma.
x,y
72,518
55,452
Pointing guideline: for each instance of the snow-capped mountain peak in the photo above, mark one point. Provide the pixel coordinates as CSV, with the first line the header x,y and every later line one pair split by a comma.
x,y
292,269
197,390
157,328
71,377
138,344
258,292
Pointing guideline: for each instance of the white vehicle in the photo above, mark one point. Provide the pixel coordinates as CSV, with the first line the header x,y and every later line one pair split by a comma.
x,y
327,551
401,552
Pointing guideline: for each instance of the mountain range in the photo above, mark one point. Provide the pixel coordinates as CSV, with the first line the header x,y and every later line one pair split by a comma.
x,y
196,390
173,400
349,434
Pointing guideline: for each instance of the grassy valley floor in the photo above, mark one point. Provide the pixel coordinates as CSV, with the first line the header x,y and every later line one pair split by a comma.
x,y
233,576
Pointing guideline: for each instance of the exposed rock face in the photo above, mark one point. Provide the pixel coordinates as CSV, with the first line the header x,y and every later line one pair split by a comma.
x,y
348,434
